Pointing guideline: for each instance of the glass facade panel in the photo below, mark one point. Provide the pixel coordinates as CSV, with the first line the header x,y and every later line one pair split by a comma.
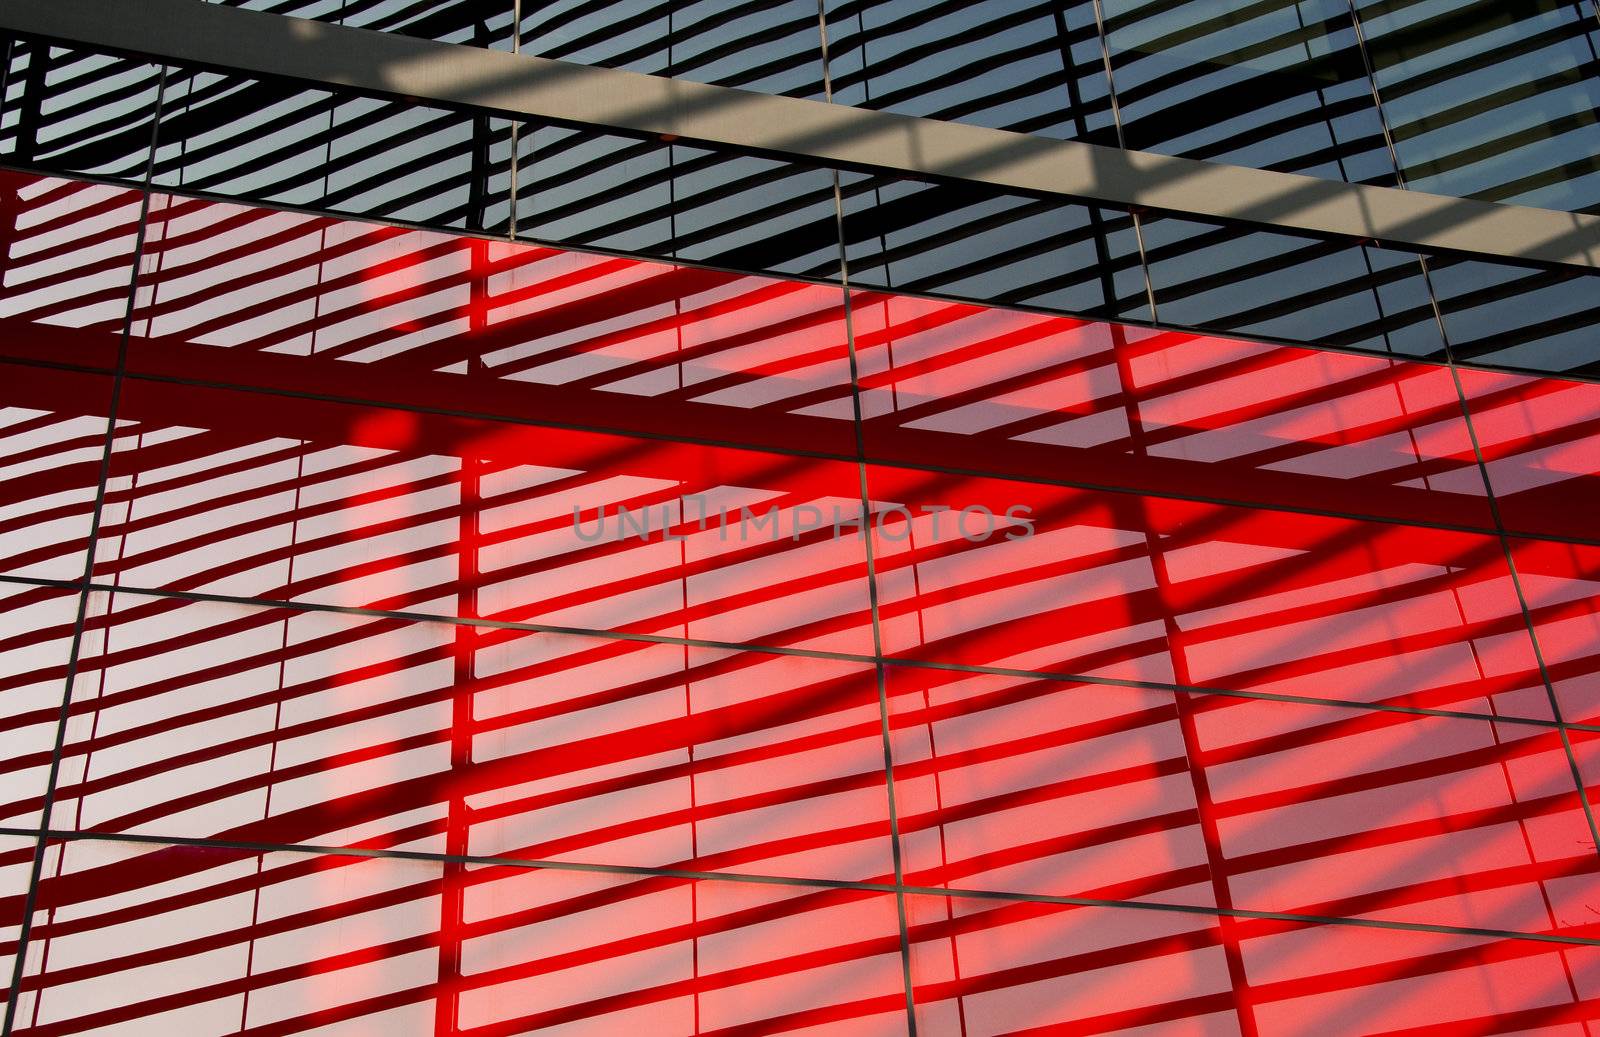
x,y
469,576
74,111
68,249
1290,287
1276,85
1009,64
53,430
289,943
1058,398
1491,100
36,632
970,243
1125,586
1051,788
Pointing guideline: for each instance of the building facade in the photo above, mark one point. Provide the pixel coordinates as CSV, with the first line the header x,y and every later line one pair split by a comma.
x,y
485,574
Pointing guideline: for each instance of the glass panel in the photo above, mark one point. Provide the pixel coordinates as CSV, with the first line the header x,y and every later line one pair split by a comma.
x,y
1053,788
948,384
296,499
1020,65
1275,85
36,634
1538,320
220,721
1074,582
429,320
988,967
390,160
53,426
66,256
982,966
1491,100
207,940
550,952
976,244
1298,288
73,111
1561,583
244,138
1540,439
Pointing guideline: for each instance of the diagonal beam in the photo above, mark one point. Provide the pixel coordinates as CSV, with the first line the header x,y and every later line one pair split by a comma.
x,y
471,79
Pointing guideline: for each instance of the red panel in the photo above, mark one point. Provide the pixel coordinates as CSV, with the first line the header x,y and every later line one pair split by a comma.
x,y
36,625
665,457
987,967
992,967
1541,444
1052,397
52,449
1031,786
1561,583
291,499
203,720
197,941
553,952
657,755
1390,981
1437,820
413,317
66,259
1041,787
212,942
16,871
1123,586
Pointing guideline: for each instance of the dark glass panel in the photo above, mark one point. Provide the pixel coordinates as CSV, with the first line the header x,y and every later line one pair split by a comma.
x,y
588,188
1273,85
973,243
1024,65
73,111
630,34
749,213
388,160
1538,320
477,23
1491,100
1287,286
774,46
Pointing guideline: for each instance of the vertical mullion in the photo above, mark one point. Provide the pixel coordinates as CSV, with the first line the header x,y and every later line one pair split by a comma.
x,y
872,578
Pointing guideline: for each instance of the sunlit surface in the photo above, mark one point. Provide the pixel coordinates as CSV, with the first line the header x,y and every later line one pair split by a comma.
x,y
405,633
